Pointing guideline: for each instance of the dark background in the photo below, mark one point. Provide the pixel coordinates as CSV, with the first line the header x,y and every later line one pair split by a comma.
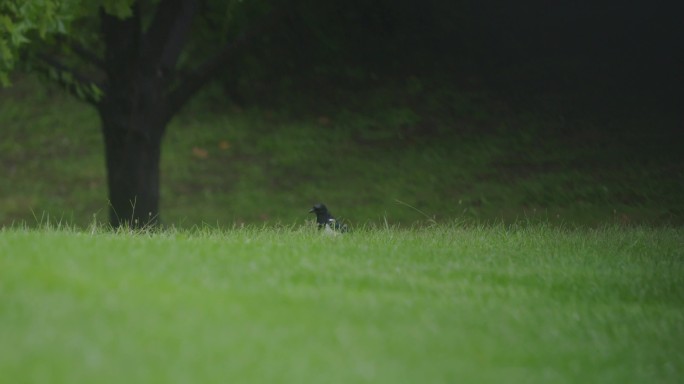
x,y
608,56
490,110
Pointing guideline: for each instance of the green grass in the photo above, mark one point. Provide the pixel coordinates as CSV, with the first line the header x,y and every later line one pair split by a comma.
x,y
450,303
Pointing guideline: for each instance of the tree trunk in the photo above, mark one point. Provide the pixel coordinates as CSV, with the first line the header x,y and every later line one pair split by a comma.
x,y
132,151
142,92
135,109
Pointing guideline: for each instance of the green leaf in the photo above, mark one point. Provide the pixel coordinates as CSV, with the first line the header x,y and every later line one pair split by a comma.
x,y
6,23
60,27
79,92
4,79
6,55
52,73
18,38
118,8
96,92
67,77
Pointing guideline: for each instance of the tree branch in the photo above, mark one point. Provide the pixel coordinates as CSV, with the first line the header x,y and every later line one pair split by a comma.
x,y
121,38
85,54
74,82
196,79
164,40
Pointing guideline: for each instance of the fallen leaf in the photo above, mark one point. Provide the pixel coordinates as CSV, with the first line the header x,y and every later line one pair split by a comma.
x,y
224,144
324,120
200,153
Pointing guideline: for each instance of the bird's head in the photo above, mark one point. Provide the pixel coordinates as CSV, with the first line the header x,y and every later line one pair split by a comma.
x,y
319,209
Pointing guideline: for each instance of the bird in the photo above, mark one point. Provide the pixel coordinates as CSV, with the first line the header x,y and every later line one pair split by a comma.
x,y
325,220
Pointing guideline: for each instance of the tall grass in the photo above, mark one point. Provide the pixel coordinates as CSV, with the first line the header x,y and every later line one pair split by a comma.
x,y
448,303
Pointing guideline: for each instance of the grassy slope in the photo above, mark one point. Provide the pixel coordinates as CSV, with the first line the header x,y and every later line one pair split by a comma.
x,y
446,304
450,154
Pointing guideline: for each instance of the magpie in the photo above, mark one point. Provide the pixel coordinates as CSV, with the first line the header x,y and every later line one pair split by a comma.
x,y
325,220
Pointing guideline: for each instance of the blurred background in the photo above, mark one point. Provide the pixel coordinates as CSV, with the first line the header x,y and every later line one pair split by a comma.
x,y
393,111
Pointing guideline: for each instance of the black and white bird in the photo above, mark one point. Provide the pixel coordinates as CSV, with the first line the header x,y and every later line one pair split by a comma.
x,y
325,220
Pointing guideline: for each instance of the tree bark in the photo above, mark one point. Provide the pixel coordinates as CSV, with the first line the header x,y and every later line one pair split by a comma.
x,y
134,116
132,153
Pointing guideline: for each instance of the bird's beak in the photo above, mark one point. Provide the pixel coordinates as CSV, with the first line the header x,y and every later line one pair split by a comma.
x,y
311,210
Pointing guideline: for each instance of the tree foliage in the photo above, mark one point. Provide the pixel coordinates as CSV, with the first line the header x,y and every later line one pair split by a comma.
x,y
137,63
24,25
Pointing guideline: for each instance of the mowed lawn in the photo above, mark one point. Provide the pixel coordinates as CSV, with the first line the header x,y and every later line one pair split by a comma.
x,y
447,304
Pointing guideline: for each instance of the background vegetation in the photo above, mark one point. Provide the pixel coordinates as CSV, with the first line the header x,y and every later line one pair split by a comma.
x,y
391,112
451,153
